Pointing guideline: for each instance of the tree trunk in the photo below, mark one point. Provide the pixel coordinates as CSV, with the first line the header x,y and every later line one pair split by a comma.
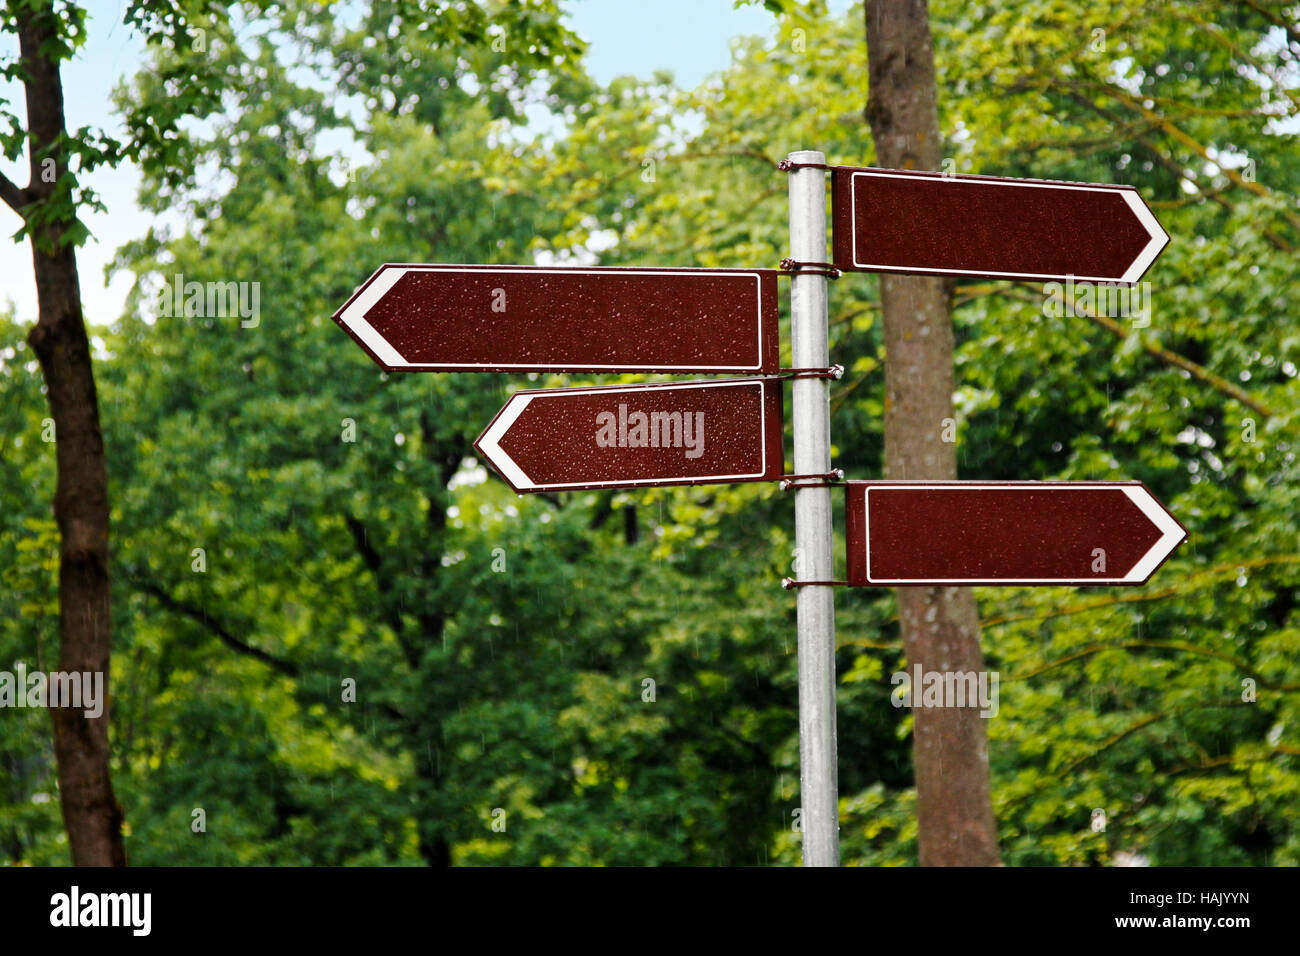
x,y
940,626
91,813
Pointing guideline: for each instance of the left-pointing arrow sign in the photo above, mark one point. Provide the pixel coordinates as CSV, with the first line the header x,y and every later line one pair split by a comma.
x,y
457,318
629,435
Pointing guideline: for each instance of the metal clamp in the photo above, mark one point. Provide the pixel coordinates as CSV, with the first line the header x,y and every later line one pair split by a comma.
x,y
786,164
835,371
795,267
812,481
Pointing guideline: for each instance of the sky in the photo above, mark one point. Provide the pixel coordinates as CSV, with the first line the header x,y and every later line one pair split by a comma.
x,y
689,37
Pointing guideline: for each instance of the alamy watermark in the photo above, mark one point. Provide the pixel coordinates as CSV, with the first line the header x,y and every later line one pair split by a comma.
x,y
133,911
653,430
1080,299
74,689
213,300
922,688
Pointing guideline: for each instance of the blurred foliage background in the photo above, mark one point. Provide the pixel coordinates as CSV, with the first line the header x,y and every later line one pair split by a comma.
x,y
500,646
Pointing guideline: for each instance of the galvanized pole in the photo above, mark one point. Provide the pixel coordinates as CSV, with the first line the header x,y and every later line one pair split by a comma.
x,y
818,773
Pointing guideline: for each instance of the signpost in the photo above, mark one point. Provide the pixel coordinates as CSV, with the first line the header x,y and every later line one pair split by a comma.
x,y
623,436
889,220
455,318
903,533
480,318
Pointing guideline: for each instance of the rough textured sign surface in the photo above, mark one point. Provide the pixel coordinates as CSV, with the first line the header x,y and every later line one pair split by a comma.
x,y
889,220
456,318
628,435
1016,532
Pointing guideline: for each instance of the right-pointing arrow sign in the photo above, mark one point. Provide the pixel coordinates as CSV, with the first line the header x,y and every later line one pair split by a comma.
x,y
890,220
1011,533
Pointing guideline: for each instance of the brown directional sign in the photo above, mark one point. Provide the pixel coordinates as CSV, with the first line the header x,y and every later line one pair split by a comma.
x,y
1013,532
457,318
628,435
890,220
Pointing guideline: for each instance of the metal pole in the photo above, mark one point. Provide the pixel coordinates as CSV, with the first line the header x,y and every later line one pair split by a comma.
x,y
818,773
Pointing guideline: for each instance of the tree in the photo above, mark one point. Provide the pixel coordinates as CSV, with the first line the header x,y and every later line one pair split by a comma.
x,y
47,36
49,33
940,625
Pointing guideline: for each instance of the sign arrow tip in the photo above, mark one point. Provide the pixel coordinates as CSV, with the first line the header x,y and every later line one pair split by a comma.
x,y
1159,238
1172,533
489,444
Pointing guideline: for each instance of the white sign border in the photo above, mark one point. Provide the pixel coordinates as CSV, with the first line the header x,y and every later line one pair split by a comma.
x,y
353,318
1159,238
1171,532
490,443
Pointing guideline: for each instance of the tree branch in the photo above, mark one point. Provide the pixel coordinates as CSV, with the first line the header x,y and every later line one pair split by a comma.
x,y
1198,372
374,562
1140,596
1275,18
200,616
1156,645
1179,171
15,196
1176,133
1216,32
1106,745
1082,608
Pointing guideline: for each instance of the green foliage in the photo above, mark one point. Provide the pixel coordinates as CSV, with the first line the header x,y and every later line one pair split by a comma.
x,y
30,827
500,647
